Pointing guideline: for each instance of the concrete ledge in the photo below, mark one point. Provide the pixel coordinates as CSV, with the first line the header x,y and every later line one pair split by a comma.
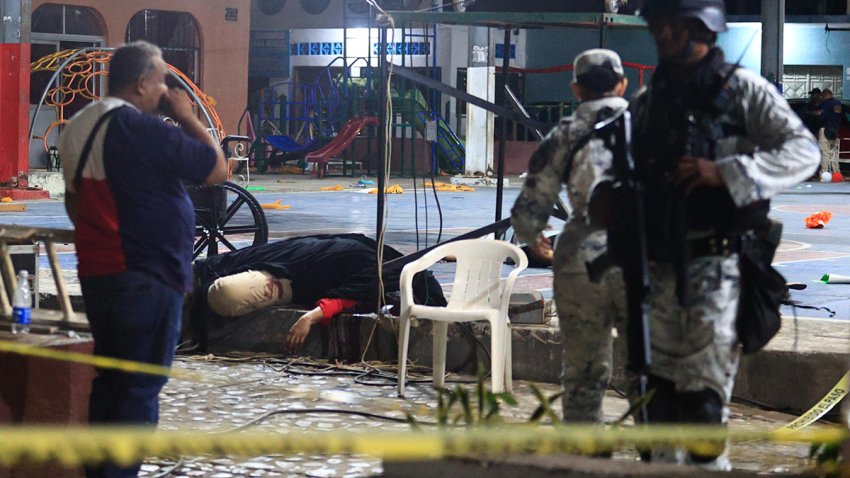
x,y
789,381
478,181
265,332
562,466
51,181
781,377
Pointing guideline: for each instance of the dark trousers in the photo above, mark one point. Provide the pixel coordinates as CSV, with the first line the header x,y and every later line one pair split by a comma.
x,y
133,317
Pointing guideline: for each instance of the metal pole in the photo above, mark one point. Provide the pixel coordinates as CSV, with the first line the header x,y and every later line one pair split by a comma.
x,y
500,167
603,29
383,131
773,23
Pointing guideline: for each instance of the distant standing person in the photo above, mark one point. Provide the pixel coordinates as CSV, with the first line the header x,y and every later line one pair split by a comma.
x,y
587,311
124,171
811,115
828,137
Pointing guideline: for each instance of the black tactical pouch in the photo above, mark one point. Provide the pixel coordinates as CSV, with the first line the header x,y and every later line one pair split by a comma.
x,y
763,290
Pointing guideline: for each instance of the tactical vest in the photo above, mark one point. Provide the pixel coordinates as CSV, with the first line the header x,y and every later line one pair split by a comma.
x,y
678,119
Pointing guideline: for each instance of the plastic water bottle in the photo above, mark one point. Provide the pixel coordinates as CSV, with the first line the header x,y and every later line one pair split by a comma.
x,y
22,305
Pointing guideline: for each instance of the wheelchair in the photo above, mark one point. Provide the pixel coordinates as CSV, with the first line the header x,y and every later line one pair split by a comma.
x,y
227,216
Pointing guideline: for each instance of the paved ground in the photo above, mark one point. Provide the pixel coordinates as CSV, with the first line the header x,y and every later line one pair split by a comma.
x,y
245,390
414,221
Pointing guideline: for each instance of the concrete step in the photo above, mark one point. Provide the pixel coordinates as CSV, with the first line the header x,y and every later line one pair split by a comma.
x,y
563,466
795,371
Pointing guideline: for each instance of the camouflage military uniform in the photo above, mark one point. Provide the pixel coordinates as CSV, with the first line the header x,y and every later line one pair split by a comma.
x,y
587,311
763,149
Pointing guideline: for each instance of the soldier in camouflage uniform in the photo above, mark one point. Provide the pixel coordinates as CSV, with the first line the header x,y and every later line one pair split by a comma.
x,y
712,143
587,310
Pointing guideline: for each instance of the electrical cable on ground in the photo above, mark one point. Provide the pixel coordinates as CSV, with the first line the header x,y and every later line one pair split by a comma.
x,y
297,367
335,411
168,471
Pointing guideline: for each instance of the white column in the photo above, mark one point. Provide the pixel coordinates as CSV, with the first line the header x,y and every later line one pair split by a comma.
x,y
481,82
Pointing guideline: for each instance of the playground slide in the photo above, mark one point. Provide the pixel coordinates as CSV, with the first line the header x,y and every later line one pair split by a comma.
x,y
342,140
451,152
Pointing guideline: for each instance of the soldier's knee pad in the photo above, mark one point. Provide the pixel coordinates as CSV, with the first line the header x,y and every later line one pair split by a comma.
x,y
706,407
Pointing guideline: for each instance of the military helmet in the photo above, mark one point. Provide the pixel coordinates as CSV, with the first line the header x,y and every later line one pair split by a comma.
x,y
712,13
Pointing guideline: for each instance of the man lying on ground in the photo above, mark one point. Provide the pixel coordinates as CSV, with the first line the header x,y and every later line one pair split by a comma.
x,y
329,274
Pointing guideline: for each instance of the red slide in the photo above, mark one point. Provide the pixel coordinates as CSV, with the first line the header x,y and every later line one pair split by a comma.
x,y
339,144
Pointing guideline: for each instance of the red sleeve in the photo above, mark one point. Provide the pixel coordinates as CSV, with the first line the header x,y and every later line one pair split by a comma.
x,y
332,307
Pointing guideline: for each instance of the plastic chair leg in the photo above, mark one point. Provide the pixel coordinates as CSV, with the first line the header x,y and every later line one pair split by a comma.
x,y
439,351
403,340
497,356
509,367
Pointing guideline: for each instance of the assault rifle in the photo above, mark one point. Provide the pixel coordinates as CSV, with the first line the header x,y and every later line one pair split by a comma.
x,y
627,246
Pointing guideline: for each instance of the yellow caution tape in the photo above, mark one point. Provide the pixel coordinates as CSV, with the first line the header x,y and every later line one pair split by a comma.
x,y
97,361
830,400
77,446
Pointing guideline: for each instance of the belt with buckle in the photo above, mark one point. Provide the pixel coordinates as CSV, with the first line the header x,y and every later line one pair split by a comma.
x,y
713,245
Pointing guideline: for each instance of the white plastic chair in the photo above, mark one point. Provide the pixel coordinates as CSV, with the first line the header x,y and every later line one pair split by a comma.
x,y
237,157
478,293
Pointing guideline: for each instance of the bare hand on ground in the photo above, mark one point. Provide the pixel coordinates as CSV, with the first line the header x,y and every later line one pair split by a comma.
x,y
542,248
299,331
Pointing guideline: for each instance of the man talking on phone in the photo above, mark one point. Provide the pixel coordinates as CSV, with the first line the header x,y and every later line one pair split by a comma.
x,y
134,225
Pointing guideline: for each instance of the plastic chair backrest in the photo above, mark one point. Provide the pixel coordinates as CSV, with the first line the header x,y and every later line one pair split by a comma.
x,y
478,275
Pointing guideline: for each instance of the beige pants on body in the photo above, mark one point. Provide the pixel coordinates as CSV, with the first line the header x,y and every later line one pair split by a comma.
x,y
239,294
829,149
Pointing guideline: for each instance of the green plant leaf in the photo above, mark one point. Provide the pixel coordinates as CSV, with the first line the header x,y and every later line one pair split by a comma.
x,y
479,389
411,420
493,413
507,398
538,394
538,414
635,404
466,406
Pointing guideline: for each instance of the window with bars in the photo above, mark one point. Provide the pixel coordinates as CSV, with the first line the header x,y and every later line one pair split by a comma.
x,y
62,27
66,20
176,33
